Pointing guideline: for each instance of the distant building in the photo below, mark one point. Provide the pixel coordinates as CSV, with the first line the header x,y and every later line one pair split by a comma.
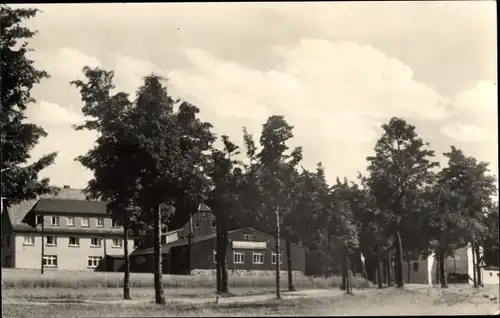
x,y
78,234
248,251
416,271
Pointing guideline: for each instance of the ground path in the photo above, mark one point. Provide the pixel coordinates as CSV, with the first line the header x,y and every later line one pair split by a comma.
x,y
310,293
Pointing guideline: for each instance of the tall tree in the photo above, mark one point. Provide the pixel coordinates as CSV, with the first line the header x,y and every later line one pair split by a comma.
x,y
471,180
345,231
226,175
113,159
277,177
374,238
174,146
18,137
401,165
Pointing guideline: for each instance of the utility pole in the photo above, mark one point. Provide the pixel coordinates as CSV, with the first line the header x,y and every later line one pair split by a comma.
x,y
43,245
278,296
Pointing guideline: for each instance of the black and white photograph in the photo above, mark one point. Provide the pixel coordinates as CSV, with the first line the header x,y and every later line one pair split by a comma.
x,y
237,159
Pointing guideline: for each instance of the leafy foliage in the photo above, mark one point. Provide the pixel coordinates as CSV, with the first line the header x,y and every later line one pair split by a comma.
x,y
18,76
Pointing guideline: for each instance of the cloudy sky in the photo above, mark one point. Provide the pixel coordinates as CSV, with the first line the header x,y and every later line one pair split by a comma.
x,y
336,71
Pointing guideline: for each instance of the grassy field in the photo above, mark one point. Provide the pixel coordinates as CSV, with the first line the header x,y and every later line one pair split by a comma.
x,y
21,279
389,301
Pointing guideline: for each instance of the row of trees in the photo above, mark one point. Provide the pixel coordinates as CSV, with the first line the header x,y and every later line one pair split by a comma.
x,y
154,150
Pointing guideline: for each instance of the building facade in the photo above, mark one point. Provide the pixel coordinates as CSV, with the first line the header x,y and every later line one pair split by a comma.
x,y
458,267
248,250
66,232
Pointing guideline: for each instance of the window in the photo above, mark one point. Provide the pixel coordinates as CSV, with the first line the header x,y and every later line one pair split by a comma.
x,y
114,224
95,242
137,243
273,258
258,258
50,261
415,266
93,261
51,241
74,241
196,224
39,220
85,222
29,240
213,225
7,241
215,256
70,221
54,221
238,257
117,242
100,222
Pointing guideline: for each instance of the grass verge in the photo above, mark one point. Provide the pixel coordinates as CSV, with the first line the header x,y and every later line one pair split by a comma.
x,y
16,278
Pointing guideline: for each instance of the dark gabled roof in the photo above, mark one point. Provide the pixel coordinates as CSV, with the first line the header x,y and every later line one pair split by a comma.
x,y
166,247
70,206
194,240
17,213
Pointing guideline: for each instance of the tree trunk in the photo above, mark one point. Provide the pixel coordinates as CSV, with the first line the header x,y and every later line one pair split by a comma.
x,y
223,260
190,236
289,265
398,262
218,263
437,261
478,269
126,274
409,271
348,273
442,269
159,295
379,272
344,271
278,296
474,279
389,274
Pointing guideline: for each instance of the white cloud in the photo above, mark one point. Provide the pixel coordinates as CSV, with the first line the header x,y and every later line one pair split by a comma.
x,y
64,62
464,132
475,115
336,94
130,71
52,114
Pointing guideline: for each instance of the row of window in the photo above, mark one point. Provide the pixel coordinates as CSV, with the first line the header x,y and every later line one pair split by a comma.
x,y
51,240
51,261
257,257
70,221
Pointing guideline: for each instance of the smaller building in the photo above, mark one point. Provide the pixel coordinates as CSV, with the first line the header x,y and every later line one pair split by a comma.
x,y
458,268
249,250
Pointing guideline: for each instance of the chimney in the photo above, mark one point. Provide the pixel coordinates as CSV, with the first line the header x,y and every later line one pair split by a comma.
x,y
66,186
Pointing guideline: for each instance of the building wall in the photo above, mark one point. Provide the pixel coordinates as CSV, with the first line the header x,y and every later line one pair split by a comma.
x,y
203,254
462,264
490,277
68,257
